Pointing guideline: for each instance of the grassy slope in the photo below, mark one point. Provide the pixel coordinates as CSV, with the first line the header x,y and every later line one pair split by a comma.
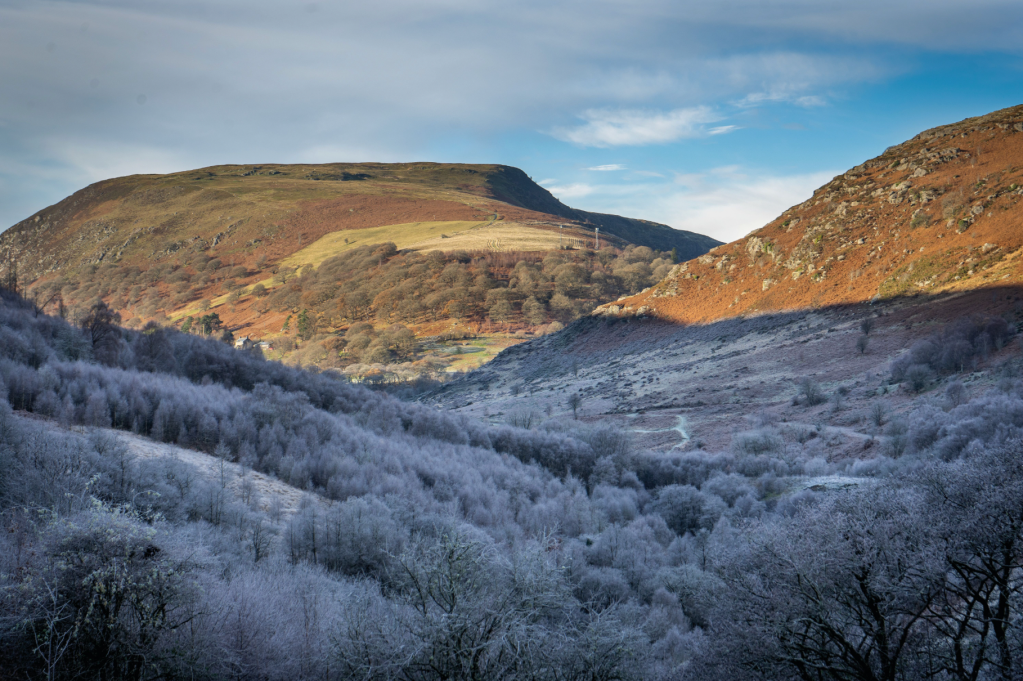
x,y
405,236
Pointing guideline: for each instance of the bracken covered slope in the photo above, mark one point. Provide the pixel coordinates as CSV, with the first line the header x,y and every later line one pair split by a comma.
x,y
939,213
276,210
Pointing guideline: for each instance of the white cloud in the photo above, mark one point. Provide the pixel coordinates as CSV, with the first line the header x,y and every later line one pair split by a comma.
x,y
636,127
730,206
722,129
572,191
608,167
726,203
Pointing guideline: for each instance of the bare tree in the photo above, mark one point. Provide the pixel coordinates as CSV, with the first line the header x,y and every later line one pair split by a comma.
x,y
52,627
575,400
879,413
100,323
462,612
977,505
842,591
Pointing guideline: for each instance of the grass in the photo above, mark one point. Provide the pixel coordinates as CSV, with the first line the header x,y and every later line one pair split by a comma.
x,y
403,236
491,345
439,236
503,236
905,279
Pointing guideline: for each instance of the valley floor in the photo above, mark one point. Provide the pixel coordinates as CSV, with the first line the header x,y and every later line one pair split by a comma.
x,y
686,387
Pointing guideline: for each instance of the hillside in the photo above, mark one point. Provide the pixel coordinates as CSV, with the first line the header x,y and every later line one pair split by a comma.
x,y
939,213
274,210
467,251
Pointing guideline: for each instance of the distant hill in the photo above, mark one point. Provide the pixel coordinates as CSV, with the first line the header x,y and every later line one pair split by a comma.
x,y
939,213
277,209
300,253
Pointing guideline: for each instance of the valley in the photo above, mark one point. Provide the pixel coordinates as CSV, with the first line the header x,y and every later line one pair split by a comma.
x,y
625,476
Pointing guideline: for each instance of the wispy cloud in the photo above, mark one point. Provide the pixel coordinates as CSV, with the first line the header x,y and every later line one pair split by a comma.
x,y
608,167
572,191
759,98
637,127
811,100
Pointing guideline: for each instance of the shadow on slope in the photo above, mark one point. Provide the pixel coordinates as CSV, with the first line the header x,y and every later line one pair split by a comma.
x,y
650,374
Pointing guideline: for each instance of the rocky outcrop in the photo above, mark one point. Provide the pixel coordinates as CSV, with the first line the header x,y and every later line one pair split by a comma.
x,y
918,218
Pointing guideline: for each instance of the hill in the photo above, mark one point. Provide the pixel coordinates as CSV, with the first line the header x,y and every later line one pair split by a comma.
x,y
939,213
473,250
273,210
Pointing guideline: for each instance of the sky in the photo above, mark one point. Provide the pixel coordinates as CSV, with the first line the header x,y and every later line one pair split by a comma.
x,y
710,116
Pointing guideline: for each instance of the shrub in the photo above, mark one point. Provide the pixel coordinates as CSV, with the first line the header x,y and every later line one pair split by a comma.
x,y
800,433
810,392
896,433
687,509
956,347
756,442
879,414
918,377
955,394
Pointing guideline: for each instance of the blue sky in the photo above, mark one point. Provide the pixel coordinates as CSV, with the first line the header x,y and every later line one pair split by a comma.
x,y
708,116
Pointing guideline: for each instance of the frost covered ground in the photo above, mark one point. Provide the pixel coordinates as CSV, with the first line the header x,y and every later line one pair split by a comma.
x,y
677,387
